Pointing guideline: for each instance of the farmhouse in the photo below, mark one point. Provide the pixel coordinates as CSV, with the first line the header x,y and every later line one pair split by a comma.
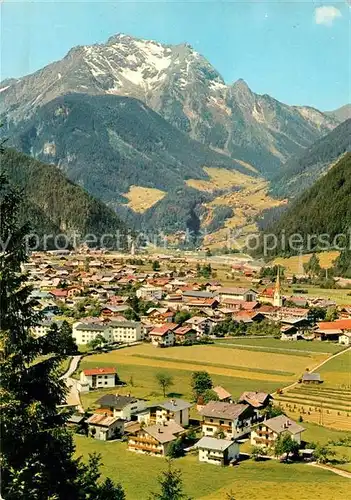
x,y
232,420
154,439
104,427
257,400
217,451
266,433
119,406
99,377
338,330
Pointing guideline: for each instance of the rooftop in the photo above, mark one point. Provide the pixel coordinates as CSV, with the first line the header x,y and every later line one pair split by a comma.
x,y
282,423
166,432
99,371
116,401
102,420
219,409
210,443
175,405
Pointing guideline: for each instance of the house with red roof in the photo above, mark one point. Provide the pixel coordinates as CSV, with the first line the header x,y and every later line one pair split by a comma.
x,y
184,334
59,293
163,336
99,378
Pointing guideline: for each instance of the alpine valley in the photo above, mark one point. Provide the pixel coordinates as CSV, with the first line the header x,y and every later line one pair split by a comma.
x,y
155,132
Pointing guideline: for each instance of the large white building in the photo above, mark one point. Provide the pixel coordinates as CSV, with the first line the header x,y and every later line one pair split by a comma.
x,y
43,328
126,332
149,292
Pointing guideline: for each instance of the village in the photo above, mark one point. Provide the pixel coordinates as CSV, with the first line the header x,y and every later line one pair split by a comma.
x,y
140,322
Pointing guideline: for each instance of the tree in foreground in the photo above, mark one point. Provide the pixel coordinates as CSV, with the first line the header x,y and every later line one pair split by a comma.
x,y
165,381
285,446
200,383
37,459
171,485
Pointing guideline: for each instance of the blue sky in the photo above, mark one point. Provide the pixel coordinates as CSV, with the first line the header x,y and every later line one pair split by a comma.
x,y
297,51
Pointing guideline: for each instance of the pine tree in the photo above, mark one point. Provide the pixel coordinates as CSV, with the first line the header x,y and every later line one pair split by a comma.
x,y
37,449
171,485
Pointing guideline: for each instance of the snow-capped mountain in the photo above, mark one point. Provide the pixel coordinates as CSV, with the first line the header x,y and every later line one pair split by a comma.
x,y
182,86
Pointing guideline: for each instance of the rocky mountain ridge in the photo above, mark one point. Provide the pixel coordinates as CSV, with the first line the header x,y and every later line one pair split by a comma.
x,y
181,85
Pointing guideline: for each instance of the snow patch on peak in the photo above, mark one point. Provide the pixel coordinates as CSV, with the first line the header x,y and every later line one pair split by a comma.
x,y
4,88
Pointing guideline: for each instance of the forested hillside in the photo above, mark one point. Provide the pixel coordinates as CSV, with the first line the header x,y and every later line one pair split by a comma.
x,y
320,213
300,173
52,204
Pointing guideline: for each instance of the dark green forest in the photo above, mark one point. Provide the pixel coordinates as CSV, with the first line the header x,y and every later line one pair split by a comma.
x,y
302,171
52,204
320,213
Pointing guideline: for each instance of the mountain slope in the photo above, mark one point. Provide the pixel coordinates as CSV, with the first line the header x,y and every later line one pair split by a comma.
x,y
301,172
319,214
181,85
114,146
109,143
341,114
53,205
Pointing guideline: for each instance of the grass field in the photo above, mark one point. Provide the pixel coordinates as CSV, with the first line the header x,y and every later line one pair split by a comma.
x,y
229,362
270,345
337,372
145,384
257,481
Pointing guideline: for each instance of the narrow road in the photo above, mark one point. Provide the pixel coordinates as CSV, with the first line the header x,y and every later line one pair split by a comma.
x,y
339,472
72,366
73,396
316,368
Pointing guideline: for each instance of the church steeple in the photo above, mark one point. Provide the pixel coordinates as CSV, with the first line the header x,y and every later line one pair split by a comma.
x,y
277,300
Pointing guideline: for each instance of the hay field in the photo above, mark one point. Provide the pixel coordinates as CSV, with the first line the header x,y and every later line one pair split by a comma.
x,y
327,404
142,198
